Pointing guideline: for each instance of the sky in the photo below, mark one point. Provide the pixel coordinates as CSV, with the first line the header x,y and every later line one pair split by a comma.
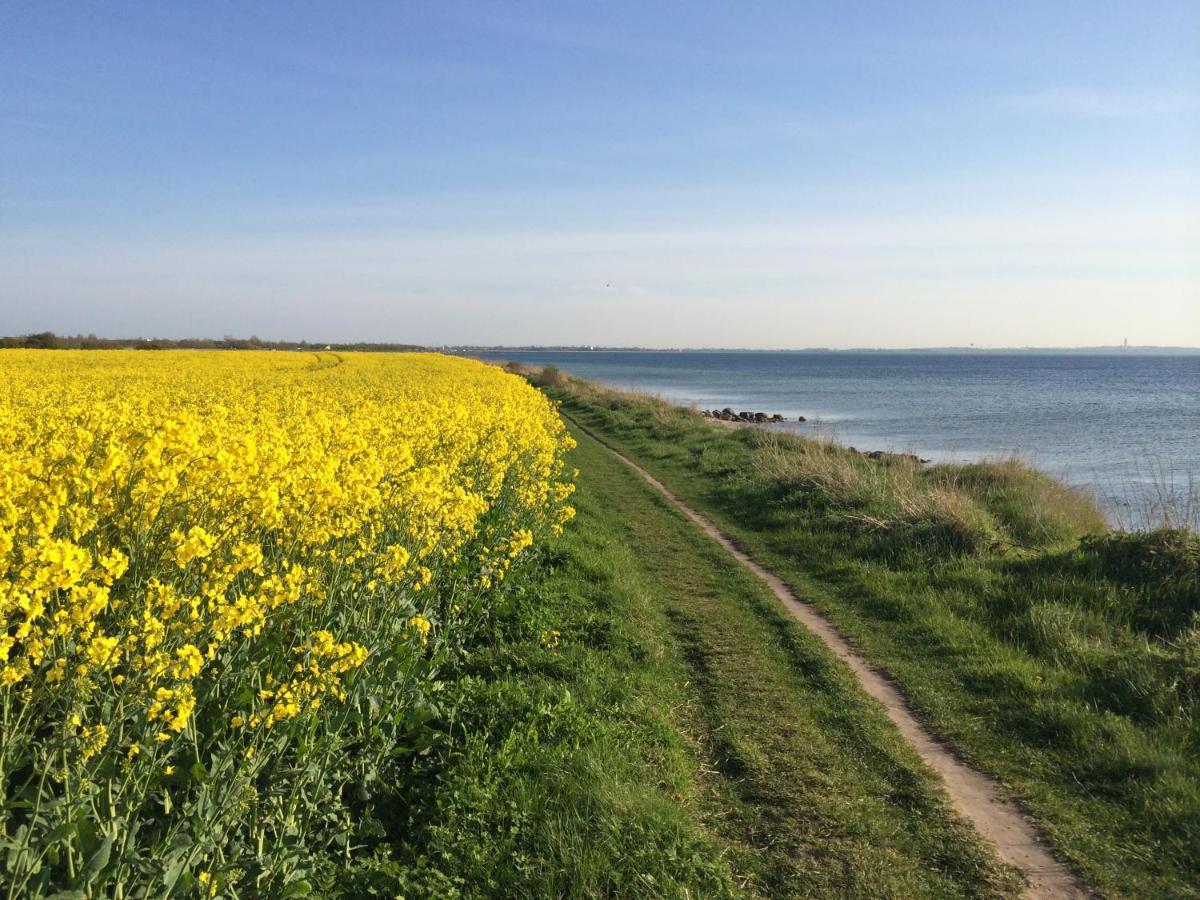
x,y
667,174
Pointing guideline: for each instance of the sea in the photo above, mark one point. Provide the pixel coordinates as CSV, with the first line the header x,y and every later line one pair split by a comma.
x,y
1122,425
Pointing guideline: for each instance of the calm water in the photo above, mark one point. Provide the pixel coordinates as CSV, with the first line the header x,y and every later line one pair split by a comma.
x,y
1124,426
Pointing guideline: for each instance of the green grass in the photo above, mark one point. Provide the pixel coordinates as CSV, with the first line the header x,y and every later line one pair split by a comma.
x,y
679,737
1063,660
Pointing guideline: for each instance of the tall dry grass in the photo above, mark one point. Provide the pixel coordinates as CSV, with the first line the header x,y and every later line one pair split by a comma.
x,y
962,507
1162,499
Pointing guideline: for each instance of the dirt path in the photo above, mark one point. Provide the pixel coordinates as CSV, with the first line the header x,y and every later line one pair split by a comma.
x,y
975,796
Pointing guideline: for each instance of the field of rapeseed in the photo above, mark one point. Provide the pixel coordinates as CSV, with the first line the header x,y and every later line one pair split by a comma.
x,y
226,583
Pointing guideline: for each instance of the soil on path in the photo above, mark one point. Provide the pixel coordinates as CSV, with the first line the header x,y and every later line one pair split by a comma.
x,y
978,798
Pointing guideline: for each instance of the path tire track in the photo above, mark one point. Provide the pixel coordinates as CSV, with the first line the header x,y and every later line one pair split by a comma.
x,y
977,797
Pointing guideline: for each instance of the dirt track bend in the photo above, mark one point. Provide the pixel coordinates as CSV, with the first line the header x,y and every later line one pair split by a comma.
x,y
977,797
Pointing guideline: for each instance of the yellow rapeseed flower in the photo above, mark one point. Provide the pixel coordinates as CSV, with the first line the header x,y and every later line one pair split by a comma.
x,y
197,541
422,626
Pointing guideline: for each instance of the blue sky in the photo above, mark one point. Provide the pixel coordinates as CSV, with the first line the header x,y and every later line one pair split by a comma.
x,y
658,174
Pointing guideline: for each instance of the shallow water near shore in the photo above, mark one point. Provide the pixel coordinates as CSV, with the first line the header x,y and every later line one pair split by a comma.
x,y
1123,426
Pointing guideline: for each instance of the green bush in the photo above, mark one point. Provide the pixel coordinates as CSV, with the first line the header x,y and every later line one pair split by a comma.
x,y
1162,567
548,376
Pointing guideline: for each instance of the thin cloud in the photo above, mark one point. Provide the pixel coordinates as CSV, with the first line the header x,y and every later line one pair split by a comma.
x,y
1094,104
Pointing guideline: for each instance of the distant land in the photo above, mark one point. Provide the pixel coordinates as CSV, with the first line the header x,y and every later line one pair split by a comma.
x,y
48,340
51,341
545,348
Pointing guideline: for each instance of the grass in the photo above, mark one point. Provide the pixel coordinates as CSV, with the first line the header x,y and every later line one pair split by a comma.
x,y
1060,658
645,721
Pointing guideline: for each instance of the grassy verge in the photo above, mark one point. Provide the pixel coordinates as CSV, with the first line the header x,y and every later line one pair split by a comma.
x,y
1062,660
646,721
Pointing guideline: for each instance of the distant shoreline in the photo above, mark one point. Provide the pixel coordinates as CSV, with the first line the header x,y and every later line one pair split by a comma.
x,y
982,351
49,340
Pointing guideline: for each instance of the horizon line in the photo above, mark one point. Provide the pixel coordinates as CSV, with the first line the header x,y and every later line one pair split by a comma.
x,y
1030,348
255,340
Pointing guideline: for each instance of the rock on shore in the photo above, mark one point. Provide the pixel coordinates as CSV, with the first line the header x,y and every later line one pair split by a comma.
x,y
885,456
753,418
762,418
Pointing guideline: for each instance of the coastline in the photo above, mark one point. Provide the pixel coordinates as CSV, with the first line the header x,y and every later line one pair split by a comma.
x,y
1119,428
